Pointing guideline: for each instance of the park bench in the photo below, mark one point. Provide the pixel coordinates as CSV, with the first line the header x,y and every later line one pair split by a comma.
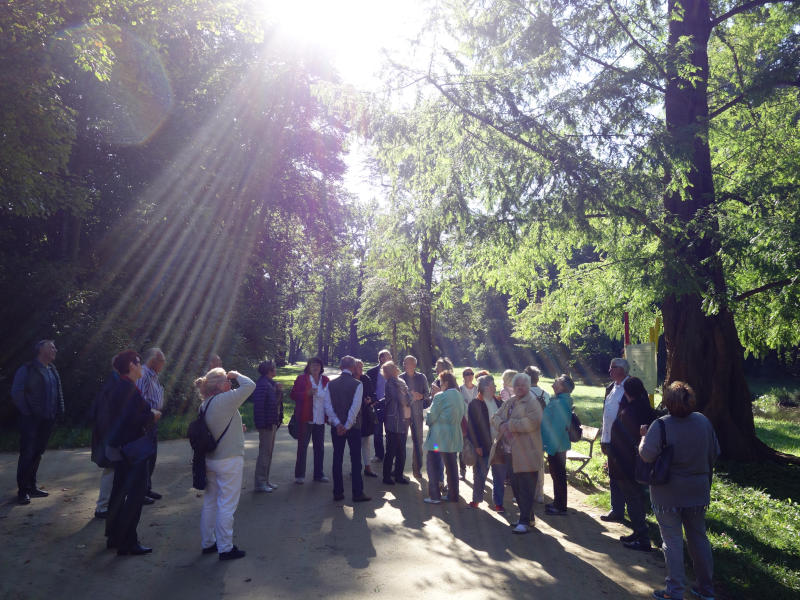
x,y
588,434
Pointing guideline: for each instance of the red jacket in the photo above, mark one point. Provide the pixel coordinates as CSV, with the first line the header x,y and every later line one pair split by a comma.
x,y
302,394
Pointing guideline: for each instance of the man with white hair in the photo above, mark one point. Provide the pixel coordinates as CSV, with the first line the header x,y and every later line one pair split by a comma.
x,y
153,392
618,370
37,394
343,397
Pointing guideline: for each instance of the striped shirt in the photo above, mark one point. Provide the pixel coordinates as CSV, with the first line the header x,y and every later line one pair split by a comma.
x,y
150,388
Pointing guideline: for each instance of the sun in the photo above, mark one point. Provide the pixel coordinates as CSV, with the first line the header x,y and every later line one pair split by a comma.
x,y
352,32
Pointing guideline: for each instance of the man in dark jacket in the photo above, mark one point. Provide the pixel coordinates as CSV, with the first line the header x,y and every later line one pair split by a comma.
x,y
104,414
378,392
37,394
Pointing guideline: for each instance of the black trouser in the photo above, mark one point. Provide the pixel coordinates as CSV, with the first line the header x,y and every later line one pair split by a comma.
x,y
558,472
125,506
151,462
353,439
634,497
378,439
395,453
524,486
451,467
34,433
315,433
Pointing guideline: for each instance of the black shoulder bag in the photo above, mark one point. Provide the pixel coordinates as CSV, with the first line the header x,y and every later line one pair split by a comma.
x,y
656,473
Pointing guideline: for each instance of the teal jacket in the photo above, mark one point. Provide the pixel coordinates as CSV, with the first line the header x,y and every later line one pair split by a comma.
x,y
555,422
444,422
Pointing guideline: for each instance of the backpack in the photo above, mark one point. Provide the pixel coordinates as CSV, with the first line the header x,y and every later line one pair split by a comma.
x,y
202,442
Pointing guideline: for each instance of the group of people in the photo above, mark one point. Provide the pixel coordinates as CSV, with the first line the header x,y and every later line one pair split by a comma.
x,y
376,410
508,434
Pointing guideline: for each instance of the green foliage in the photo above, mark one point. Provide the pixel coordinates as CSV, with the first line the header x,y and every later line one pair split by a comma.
x,y
191,166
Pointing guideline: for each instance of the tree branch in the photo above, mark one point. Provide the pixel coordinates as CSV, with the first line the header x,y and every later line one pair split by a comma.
x,y
636,42
742,8
767,286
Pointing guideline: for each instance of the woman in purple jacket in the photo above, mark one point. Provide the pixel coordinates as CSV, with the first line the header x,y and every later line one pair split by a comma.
x,y
268,416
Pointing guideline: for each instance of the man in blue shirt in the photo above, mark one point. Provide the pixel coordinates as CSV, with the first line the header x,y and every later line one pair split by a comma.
x,y
37,394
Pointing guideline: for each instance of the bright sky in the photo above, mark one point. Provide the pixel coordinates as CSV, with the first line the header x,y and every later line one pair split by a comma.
x,y
354,33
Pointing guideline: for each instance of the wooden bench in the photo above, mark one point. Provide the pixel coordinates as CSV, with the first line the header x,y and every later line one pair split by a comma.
x,y
588,434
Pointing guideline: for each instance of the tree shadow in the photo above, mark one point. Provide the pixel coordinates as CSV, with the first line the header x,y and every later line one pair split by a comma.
x,y
781,481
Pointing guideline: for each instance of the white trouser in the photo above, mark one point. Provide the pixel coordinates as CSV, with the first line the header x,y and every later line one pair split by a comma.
x,y
106,483
223,488
366,447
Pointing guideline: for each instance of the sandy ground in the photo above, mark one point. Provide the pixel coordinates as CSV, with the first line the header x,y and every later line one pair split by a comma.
x,y
300,544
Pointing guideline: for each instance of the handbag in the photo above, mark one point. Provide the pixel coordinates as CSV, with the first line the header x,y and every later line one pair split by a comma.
x,y
574,430
656,473
139,449
468,454
292,426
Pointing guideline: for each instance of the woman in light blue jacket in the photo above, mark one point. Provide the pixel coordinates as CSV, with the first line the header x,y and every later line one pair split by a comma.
x,y
555,439
445,438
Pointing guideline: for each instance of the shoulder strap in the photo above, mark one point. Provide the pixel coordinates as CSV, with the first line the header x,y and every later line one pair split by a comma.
x,y
224,431
663,433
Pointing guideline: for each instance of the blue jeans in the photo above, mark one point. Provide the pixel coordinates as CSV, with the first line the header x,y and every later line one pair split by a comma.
x,y
672,522
499,483
480,471
353,439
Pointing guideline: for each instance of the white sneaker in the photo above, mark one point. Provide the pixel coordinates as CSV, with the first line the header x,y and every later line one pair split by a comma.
x,y
299,480
274,486
520,529
432,501
262,488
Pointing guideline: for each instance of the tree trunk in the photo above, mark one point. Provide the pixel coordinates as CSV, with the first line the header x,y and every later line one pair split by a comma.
x,y
353,337
321,330
425,343
702,350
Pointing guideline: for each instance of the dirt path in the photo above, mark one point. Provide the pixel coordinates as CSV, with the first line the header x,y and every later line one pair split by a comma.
x,y
301,544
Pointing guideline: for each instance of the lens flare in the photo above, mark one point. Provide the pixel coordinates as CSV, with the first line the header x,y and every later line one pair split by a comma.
x,y
125,86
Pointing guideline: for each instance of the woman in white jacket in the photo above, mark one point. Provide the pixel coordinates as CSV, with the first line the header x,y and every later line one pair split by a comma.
x,y
225,465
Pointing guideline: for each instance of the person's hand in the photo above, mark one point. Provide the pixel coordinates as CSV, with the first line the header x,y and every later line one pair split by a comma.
x,y
435,389
244,428
417,396
479,451
643,430
232,374
340,429
156,415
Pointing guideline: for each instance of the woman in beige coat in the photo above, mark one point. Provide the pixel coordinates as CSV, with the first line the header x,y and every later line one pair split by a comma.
x,y
519,423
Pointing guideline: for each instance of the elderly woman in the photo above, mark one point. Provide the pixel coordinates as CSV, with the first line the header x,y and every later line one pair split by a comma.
x,y
308,393
445,439
132,422
508,391
518,424
268,416
397,420
681,503
224,466
555,439
479,431
634,411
